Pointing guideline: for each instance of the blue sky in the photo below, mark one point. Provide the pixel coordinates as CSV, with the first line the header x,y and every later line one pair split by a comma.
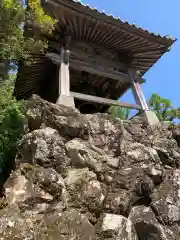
x,y
158,16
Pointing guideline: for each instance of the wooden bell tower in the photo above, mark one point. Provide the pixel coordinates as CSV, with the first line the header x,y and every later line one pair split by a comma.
x,y
92,60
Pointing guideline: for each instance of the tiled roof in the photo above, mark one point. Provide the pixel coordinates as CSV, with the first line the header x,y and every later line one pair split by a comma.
x,y
121,21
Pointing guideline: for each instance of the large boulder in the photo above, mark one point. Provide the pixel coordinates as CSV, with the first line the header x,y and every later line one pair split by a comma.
x,y
106,132
68,121
68,225
138,154
84,154
115,227
44,147
168,151
130,186
147,226
166,198
34,189
85,191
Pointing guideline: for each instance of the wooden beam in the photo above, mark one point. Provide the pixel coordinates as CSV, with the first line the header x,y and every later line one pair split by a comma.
x,y
151,51
104,101
87,52
93,69
137,91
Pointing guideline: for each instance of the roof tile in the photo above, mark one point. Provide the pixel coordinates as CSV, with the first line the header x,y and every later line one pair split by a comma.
x,y
118,19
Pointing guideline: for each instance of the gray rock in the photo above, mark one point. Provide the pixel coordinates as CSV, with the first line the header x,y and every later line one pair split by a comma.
x,y
155,171
166,198
85,191
130,186
138,154
34,188
176,134
116,227
66,120
168,151
44,147
84,154
106,132
67,225
147,226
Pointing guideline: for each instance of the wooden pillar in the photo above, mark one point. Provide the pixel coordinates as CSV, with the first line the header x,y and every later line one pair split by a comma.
x,y
64,79
64,84
137,91
149,116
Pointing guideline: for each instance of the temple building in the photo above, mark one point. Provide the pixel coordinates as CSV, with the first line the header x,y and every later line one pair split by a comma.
x,y
92,60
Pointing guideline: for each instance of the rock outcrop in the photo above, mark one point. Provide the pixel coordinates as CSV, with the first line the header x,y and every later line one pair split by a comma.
x,y
92,177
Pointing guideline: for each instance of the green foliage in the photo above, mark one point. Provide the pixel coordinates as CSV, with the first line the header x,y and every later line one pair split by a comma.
x,y
12,15
119,112
45,22
11,127
163,108
14,45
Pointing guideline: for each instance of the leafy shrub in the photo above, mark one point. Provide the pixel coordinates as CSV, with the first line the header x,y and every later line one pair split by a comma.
x,y
11,128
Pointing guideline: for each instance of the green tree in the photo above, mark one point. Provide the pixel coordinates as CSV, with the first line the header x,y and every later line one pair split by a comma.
x,y
17,44
14,44
11,127
163,108
119,112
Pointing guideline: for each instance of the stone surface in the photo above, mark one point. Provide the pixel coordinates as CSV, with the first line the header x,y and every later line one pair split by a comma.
x,y
168,151
64,226
83,154
176,133
147,226
44,147
116,227
35,188
85,191
166,198
92,177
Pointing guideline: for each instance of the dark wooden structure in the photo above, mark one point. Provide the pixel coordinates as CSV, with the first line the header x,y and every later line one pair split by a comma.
x,y
93,58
